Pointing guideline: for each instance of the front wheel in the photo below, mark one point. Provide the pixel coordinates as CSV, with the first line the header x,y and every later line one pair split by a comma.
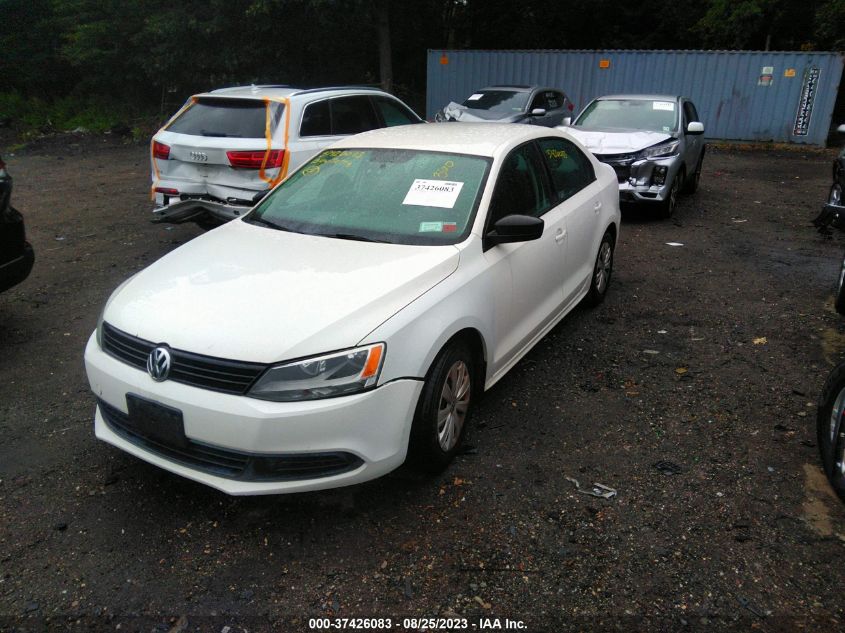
x,y
444,409
830,429
839,303
668,206
835,195
691,185
602,270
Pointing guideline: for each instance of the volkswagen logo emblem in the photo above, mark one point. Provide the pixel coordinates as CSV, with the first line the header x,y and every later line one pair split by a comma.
x,y
158,364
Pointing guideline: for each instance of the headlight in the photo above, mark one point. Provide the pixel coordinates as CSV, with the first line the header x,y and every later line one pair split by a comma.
x,y
337,374
662,151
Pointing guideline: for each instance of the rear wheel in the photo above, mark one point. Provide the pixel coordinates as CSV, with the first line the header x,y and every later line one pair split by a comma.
x,y
444,409
602,270
831,431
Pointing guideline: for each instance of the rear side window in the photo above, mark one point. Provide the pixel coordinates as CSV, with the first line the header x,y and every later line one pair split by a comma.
x,y
227,118
351,115
571,171
316,120
394,113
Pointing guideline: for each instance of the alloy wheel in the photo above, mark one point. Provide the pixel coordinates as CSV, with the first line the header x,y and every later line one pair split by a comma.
x,y
454,404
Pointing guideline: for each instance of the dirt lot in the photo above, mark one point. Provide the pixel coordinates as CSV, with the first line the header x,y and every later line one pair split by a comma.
x,y
709,355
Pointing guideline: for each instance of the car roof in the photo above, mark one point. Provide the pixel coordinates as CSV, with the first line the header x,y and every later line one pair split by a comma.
x,y
518,88
641,97
479,139
279,91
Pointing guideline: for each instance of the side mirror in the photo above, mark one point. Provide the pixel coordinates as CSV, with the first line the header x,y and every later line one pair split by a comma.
x,y
538,112
259,197
514,228
841,129
567,120
695,127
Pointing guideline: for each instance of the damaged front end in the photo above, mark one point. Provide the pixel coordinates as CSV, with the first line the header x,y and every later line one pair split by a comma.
x,y
646,175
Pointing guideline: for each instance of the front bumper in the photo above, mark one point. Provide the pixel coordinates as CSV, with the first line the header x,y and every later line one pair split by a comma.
x,y
374,426
637,178
15,271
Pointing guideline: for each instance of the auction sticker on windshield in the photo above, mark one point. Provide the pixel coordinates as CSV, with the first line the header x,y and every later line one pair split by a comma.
x,y
662,105
433,193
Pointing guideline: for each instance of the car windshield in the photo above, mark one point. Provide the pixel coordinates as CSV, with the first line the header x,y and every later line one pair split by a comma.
x,y
637,114
398,196
505,101
227,118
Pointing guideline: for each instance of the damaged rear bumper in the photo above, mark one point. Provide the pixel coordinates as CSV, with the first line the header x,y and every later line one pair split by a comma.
x,y
194,209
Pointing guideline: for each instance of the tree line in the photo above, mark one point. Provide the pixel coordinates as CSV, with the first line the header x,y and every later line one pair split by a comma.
x,y
153,53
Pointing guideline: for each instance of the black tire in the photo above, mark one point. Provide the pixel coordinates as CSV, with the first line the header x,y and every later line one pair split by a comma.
x,y
830,430
668,206
839,302
691,185
206,222
429,449
602,271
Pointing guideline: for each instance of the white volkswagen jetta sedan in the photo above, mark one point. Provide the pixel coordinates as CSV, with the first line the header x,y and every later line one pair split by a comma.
x,y
355,316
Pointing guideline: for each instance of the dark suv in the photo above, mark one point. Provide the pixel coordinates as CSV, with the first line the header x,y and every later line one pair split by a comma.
x,y
16,255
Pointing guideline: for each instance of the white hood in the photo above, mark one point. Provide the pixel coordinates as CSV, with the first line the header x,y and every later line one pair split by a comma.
x,y
251,293
616,141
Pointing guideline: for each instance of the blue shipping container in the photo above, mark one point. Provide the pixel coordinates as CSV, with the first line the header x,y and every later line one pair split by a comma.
x,y
740,95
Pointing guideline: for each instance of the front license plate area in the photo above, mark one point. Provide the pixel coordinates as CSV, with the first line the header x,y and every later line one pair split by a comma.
x,y
156,422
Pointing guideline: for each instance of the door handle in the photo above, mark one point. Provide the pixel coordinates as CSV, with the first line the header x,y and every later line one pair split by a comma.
x,y
560,235
597,206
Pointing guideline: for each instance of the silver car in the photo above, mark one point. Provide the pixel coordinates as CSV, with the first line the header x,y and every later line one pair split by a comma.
x,y
226,148
655,143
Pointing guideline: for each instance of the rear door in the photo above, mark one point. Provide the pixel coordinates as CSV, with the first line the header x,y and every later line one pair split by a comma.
x,y
329,120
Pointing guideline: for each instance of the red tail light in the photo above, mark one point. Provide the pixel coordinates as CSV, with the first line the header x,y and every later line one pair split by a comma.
x,y
160,150
253,160
167,191
571,107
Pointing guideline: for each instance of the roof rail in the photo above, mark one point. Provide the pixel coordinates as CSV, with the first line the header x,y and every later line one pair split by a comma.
x,y
312,90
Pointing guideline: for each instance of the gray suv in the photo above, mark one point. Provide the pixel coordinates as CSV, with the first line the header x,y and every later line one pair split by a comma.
x,y
510,104
226,148
655,143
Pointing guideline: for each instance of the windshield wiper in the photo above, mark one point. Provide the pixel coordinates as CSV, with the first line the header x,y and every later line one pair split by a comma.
x,y
269,225
353,236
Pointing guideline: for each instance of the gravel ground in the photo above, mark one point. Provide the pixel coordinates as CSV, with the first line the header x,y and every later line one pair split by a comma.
x,y
708,355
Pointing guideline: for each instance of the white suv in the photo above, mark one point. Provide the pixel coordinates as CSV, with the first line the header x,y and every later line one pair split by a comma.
x,y
226,148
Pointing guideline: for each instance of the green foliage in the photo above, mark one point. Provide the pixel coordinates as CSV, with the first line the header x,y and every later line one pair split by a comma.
x,y
93,63
92,113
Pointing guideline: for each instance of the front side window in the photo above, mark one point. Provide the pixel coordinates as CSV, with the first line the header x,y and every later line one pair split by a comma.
x,y
386,195
570,169
227,118
504,101
520,187
639,114
394,113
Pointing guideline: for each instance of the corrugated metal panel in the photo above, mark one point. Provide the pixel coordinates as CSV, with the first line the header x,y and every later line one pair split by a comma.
x,y
726,86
